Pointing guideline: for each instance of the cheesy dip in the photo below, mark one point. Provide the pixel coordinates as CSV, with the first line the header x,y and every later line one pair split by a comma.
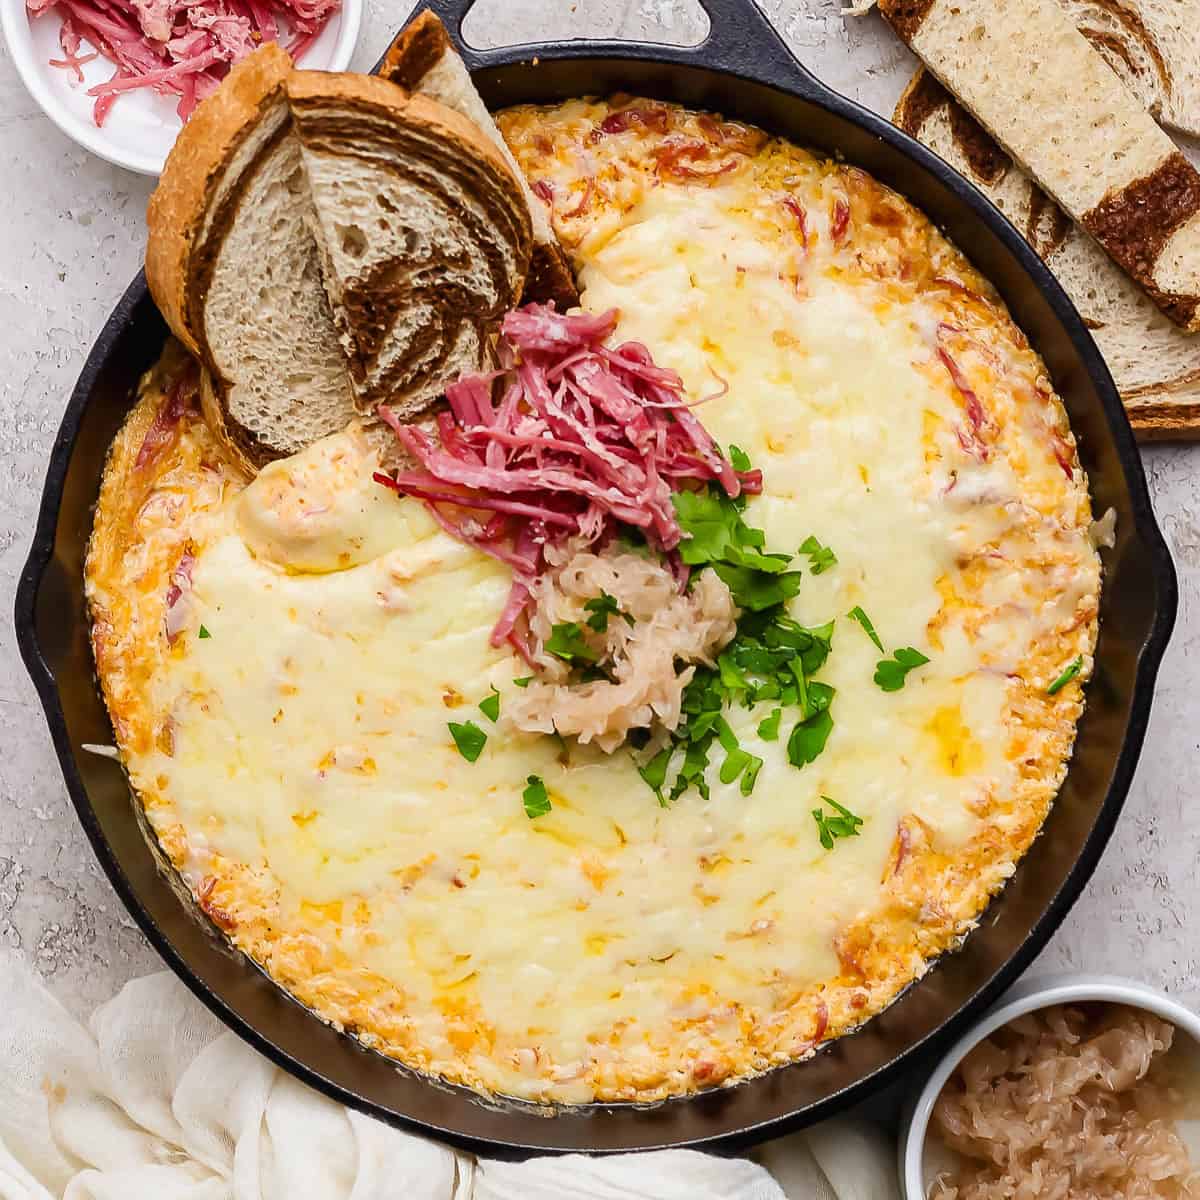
x,y
282,657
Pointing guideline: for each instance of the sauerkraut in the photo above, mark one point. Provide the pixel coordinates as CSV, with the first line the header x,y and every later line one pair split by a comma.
x,y
1067,1103
648,651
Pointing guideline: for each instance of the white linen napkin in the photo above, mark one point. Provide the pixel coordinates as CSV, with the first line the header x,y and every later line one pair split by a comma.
x,y
156,1100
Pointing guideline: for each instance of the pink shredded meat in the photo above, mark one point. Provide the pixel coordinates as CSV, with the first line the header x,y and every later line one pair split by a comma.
x,y
179,48
569,439
973,437
180,399
1068,1103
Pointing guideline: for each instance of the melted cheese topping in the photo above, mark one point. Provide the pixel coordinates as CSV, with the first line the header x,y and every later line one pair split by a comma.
x,y
296,761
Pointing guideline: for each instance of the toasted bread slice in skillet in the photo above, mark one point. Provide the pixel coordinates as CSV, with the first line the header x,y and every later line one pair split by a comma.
x,y
421,237
233,267
423,231
423,59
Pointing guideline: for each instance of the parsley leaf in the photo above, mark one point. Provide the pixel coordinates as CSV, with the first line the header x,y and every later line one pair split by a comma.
x,y
537,799
204,632
750,775
768,727
713,524
857,614
843,825
820,558
602,607
890,673
739,458
755,589
566,641
695,763
1073,669
490,705
655,772
469,739
809,736
523,682
736,759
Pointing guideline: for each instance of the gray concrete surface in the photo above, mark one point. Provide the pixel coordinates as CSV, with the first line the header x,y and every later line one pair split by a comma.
x,y
71,237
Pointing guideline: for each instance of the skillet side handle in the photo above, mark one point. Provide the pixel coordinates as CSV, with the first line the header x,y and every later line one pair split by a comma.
x,y
740,41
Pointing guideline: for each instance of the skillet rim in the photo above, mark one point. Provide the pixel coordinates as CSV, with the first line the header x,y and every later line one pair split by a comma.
x,y
765,69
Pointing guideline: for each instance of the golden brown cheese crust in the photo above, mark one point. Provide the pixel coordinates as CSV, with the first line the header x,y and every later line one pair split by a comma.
x,y
592,162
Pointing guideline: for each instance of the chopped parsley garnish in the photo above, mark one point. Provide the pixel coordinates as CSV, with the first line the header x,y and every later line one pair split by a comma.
x,y
602,607
857,614
756,589
739,458
469,739
820,558
204,632
566,641
736,759
490,705
655,772
813,729
523,682
721,539
843,824
768,727
1073,669
772,657
890,673
537,799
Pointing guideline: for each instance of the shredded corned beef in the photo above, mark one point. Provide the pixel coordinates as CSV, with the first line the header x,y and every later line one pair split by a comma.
x,y
178,594
569,439
180,48
973,437
182,397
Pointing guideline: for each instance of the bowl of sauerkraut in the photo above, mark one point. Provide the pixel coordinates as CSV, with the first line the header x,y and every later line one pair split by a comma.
x,y
1073,1088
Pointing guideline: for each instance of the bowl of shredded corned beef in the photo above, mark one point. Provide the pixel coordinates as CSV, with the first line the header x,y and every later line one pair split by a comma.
x,y
120,77
1073,1088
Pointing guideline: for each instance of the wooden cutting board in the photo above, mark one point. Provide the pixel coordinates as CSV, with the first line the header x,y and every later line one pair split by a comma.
x,y
1155,364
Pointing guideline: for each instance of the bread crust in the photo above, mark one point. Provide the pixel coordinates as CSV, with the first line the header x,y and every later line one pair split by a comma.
x,y
1155,365
180,202
394,102
416,50
1032,79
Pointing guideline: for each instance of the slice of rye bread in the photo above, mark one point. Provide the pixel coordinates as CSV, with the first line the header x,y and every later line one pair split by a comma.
x,y
1155,364
422,59
1031,79
235,272
423,231
1154,46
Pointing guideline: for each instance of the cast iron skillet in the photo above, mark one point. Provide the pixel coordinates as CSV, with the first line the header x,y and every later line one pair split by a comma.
x,y
743,70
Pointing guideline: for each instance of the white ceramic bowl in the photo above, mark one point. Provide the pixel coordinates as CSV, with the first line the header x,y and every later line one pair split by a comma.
x,y
1025,997
141,126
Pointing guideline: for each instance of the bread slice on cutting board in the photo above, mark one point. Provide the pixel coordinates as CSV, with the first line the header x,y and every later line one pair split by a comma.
x,y
385,289
422,227
235,272
1033,81
423,59
1156,365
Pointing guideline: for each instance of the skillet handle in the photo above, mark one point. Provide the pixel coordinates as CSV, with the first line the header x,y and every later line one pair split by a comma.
x,y
740,41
